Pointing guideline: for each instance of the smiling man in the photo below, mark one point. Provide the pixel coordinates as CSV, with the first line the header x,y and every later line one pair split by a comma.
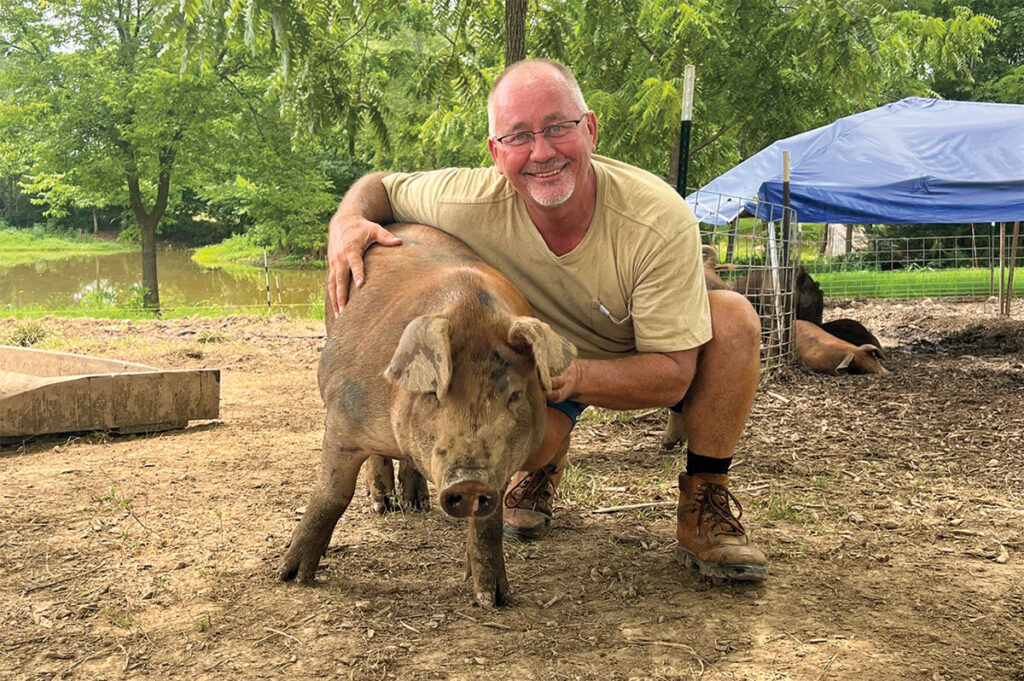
x,y
609,256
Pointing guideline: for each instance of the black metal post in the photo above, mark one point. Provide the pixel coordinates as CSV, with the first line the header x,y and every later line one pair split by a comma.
x,y
686,122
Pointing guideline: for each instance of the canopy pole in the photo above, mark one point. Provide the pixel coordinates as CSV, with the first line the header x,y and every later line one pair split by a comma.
x,y
991,260
686,121
974,246
1013,265
788,271
1002,267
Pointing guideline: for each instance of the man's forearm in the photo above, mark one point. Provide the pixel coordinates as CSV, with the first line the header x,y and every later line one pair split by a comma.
x,y
367,198
638,382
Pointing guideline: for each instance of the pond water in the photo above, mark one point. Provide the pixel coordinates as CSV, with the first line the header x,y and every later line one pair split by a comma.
x,y
183,283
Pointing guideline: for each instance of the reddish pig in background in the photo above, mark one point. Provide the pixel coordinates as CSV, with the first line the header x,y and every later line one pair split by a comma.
x,y
823,353
438,359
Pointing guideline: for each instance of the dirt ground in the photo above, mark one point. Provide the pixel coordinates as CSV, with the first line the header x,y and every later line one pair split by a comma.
x,y
891,509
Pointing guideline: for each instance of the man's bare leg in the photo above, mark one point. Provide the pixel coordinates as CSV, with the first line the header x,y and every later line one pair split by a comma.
x,y
715,411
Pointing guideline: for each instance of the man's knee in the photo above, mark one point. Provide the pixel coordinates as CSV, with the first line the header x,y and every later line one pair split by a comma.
x,y
734,320
556,435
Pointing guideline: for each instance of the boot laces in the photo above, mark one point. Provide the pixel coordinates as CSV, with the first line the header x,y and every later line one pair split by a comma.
x,y
536,489
714,509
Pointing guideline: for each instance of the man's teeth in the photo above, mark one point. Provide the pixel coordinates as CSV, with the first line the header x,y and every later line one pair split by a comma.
x,y
548,174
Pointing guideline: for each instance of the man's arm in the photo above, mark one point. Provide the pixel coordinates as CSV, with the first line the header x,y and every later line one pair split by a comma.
x,y
354,228
649,379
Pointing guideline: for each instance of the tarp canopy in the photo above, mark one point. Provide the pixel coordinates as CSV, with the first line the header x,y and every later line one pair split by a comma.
x,y
913,161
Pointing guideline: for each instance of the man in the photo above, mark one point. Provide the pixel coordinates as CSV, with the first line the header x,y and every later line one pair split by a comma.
x,y
609,256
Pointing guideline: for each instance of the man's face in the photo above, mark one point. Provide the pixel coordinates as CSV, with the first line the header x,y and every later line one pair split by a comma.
x,y
545,172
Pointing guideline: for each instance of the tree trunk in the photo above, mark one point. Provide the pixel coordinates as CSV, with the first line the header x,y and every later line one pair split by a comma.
x,y
515,31
147,226
148,220
95,222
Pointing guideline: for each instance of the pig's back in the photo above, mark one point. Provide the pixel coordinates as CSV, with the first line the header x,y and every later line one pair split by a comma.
x,y
430,273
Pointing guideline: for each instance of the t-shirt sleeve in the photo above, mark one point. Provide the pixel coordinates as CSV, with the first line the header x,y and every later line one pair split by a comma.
x,y
670,301
415,196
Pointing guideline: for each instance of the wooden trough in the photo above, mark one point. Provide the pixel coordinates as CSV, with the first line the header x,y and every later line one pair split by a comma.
x,y
55,392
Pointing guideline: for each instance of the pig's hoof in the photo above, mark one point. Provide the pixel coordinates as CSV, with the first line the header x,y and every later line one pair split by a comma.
x,y
492,596
670,443
415,499
383,504
294,568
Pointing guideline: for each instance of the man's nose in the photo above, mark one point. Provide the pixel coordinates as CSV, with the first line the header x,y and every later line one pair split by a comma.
x,y
542,149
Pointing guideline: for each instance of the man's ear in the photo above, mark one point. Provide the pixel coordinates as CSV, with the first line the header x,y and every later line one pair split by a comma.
x,y
492,146
592,127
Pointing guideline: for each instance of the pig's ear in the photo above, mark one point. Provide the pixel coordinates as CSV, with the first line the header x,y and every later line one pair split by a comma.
x,y
423,361
845,364
551,353
873,350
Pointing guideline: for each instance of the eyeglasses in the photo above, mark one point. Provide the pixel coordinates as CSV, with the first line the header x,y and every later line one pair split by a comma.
x,y
552,132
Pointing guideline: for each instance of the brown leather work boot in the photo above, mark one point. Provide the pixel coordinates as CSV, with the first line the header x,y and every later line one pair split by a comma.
x,y
528,502
711,538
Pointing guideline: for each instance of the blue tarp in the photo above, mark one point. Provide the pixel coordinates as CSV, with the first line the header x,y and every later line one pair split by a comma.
x,y
913,161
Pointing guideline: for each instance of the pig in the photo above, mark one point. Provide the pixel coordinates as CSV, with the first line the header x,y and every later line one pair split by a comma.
x,y
852,331
809,303
823,353
436,359
711,278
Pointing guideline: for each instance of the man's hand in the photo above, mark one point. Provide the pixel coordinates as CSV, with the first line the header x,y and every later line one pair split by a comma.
x,y
349,237
565,384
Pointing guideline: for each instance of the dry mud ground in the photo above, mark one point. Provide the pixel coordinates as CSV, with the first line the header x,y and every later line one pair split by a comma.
x,y
890,508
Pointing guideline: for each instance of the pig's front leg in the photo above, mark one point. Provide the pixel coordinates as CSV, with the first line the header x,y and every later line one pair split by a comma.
x,y
339,472
485,561
415,495
675,432
380,480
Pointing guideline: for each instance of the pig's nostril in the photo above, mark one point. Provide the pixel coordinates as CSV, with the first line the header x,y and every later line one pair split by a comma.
x,y
484,505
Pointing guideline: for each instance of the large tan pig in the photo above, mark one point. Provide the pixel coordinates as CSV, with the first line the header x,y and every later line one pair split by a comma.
x,y
436,358
823,353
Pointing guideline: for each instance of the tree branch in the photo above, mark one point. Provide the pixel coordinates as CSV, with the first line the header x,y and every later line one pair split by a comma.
x,y
714,138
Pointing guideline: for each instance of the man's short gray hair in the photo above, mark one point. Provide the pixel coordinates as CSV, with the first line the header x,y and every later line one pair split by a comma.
x,y
570,79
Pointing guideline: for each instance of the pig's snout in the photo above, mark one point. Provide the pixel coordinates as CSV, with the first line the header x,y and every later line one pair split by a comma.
x,y
469,498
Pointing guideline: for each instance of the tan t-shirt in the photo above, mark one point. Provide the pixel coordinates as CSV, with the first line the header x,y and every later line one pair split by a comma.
x,y
634,284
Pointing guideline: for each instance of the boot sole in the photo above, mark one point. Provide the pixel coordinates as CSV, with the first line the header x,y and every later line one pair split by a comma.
x,y
736,572
523,534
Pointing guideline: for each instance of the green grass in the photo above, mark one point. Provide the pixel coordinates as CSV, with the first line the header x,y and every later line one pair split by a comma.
x,y
235,251
21,246
25,334
909,283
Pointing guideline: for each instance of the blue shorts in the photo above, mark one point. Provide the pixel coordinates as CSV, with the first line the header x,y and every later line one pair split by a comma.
x,y
570,408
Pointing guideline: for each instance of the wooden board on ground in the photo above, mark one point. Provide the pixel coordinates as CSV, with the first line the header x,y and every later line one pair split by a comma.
x,y
53,392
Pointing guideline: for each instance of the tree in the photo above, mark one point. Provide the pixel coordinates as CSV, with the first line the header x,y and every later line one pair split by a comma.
x,y
766,69
515,31
111,113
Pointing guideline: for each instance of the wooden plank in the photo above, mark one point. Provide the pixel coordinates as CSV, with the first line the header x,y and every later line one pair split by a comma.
x,y
132,397
46,363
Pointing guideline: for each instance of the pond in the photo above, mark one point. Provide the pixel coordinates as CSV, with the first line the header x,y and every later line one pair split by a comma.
x,y
183,283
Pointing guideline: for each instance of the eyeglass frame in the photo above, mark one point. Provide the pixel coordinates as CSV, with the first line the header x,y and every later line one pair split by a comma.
x,y
533,133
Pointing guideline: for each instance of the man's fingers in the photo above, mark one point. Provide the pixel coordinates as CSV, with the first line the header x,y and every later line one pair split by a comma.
x,y
386,238
355,266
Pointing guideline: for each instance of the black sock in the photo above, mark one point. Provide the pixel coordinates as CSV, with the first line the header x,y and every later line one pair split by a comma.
x,y
695,463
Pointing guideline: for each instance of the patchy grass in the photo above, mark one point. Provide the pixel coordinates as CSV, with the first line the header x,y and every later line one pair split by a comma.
x,y
25,334
22,246
236,251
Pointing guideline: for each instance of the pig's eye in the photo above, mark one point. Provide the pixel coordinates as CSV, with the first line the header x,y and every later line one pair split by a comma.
x,y
515,396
